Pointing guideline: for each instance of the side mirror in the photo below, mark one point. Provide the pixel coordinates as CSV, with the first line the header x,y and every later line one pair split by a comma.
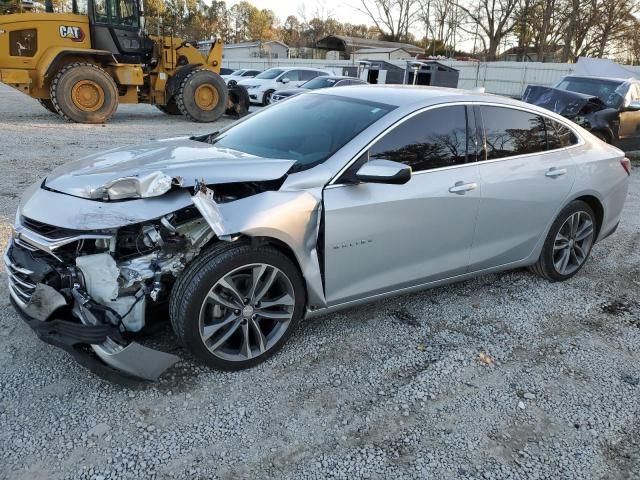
x,y
384,171
285,80
633,106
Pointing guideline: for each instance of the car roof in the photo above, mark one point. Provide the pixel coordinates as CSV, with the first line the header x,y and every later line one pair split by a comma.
x,y
407,95
299,68
340,77
414,97
611,79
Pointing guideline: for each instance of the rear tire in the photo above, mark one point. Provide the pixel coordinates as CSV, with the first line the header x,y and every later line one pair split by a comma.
x,y
568,243
84,93
48,105
202,96
171,107
196,306
602,136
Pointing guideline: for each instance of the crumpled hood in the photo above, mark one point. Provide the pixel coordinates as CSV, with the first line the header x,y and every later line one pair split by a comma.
x,y
180,158
563,102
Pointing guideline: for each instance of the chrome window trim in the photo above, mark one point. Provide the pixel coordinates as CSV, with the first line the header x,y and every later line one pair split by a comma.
x,y
333,182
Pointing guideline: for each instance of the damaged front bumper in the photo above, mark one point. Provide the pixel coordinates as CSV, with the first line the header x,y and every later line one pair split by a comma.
x,y
71,326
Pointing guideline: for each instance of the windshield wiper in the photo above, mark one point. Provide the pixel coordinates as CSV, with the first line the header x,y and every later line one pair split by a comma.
x,y
206,138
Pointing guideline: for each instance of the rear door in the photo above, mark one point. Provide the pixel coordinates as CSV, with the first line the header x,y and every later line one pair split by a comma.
x,y
525,181
381,237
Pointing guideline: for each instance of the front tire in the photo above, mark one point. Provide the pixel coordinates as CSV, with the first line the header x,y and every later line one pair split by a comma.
x,y
84,93
266,98
568,243
236,305
202,96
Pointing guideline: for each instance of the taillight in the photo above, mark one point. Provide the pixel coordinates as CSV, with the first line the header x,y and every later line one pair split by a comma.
x,y
626,164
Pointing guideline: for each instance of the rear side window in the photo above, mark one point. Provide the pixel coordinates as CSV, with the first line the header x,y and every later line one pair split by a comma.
x,y
558,135
433,139
510,132
308,74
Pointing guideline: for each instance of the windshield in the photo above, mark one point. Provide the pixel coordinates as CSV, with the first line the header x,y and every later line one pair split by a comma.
x,y
609,91
271,73
320,82
306,128
238,72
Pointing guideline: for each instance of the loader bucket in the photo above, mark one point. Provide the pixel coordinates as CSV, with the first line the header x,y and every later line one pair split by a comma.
x,y
238,102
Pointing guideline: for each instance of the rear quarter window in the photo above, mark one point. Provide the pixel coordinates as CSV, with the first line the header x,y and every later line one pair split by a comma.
x,y
559,135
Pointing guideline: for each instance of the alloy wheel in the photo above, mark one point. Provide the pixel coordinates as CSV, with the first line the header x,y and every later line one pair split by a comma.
x,y
246,312
573,243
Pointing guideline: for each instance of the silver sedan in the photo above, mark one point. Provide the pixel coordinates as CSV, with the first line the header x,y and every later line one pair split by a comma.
x,y
326,201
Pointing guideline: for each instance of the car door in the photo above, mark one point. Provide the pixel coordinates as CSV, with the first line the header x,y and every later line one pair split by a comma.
x,y
629,129
381,237
524,181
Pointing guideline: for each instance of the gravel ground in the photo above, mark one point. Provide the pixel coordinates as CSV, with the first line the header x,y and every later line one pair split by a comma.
x,y
504,376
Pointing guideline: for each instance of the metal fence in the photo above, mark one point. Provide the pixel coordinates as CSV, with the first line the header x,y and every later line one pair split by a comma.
x,y
502,78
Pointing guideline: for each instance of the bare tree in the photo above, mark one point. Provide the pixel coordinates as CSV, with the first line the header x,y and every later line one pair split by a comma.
x,y
494,18
393,18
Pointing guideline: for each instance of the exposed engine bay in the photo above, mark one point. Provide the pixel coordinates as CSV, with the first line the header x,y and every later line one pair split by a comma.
x,y
98,273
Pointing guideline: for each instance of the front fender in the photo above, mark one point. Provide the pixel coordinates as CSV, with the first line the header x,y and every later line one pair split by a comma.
x,y
292,217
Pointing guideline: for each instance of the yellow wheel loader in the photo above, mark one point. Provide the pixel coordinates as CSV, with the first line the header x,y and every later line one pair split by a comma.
x,y
82,64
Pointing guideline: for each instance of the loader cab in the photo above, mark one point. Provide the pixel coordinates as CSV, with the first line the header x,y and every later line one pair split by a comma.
x,y
115,27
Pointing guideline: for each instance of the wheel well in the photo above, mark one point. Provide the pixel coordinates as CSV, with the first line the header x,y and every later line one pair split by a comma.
x,y
285,250
597,208
66,58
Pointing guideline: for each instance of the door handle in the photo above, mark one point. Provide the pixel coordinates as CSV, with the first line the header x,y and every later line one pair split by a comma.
x,y
555,172
461,188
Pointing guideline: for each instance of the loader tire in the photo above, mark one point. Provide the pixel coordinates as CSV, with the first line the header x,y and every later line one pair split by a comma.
x,y
202,96
171,108
47,104
84,93
239,101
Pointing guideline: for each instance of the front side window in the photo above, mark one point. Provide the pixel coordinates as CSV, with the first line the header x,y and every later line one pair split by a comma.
x,y
270,74
292,75
510,132
634,93
433,139
307,128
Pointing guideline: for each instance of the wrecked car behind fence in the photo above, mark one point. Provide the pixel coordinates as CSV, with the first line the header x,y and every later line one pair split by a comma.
x,y
118,245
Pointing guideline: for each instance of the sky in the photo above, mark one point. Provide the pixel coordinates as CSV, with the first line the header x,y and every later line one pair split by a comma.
x,y
342,10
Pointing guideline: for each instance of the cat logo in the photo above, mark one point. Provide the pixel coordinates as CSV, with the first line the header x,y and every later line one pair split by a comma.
x,y
74,33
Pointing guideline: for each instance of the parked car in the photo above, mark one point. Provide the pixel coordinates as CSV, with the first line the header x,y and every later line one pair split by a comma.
x,y
226,71
237,75
325,201
262,86
325,81
607,107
